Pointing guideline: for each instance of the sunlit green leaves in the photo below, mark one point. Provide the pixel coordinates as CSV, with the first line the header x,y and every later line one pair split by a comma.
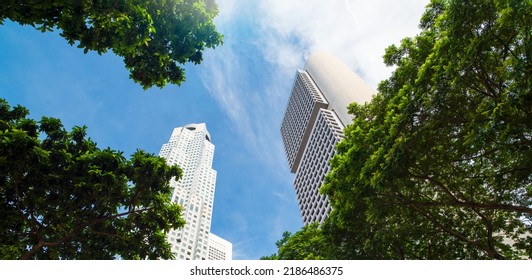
x,y
153,37
307,244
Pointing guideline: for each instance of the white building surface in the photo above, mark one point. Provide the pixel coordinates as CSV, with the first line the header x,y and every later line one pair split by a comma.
x,y
219,248
313,124
191,149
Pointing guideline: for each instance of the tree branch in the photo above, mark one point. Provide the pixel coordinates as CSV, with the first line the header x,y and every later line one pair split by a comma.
x,y
472,205
73,233
435,182
458,235
109,234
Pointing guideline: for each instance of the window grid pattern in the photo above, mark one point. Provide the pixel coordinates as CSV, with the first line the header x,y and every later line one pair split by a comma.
x,y
219,248
304,97
326,133
190,148
216,254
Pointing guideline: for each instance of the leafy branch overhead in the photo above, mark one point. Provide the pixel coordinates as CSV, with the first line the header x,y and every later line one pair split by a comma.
x,y
64,198
153,37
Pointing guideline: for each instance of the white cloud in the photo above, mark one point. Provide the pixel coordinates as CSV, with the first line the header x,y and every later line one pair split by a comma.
x,y
280,34
251,75
230,74
356,31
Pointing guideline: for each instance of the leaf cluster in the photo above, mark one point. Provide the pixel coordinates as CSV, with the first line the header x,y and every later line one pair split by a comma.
x,y
153,37
307,244
64,198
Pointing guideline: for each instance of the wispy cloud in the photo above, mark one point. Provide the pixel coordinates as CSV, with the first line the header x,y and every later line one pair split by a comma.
x,y
356,31
244,86
251,75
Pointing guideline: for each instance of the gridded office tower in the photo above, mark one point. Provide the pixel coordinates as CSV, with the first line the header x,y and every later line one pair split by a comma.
x,y
219,248
313,124
191,149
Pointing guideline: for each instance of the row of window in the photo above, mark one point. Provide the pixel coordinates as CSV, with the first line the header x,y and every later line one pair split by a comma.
x,y
216,254
298,113
314,166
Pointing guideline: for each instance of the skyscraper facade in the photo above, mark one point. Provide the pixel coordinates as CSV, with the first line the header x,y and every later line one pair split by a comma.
x,y
313,124
191,149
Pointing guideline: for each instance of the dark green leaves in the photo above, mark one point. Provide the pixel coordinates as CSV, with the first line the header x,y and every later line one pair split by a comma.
x,y
437,166
64,198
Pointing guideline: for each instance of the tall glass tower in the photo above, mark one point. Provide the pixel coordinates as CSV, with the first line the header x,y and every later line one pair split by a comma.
x,y
313,124
191,149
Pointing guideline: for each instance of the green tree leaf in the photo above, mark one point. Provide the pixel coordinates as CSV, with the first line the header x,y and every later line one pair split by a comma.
x,y
64,198
437,166
153,37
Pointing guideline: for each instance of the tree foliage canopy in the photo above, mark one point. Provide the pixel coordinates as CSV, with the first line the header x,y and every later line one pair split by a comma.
x,y
64,198
438,164
153,37
306,244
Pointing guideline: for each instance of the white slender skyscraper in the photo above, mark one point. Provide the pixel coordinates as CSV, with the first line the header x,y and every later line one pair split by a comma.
x,y
313,124
191,149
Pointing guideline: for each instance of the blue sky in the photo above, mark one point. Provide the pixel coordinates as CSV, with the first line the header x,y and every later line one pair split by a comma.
x,y
240,91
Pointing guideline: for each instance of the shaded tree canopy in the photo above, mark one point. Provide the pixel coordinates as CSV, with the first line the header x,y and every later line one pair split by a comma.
x,y
153,37
64,198
438,164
